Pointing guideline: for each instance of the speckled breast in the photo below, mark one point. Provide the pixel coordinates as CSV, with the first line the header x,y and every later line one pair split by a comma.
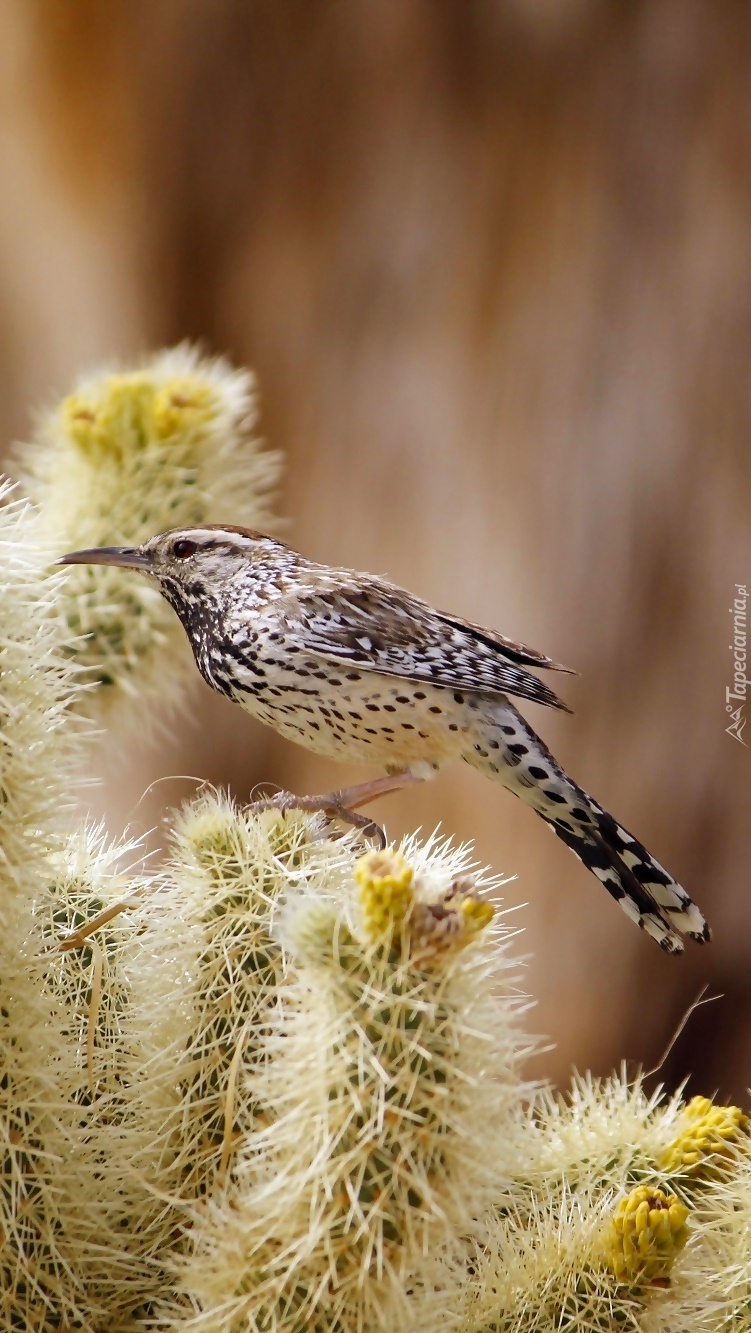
x,y
352,715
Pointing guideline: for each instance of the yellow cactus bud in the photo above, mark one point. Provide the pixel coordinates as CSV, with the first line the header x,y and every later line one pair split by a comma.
x,y
385,890
119,418
477,914
130,409
708,1131
646,1232
183,402
79,418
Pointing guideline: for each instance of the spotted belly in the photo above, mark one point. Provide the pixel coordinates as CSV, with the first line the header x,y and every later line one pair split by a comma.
x,y
363,718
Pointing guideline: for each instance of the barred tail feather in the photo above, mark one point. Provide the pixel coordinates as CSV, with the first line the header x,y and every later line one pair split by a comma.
x,y
638,883
508,750
665,893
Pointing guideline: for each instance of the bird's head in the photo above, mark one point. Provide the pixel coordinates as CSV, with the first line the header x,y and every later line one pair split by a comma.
x,y
197,565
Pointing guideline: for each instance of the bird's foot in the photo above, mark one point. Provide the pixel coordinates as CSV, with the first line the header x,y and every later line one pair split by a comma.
x,y
329,803
342,804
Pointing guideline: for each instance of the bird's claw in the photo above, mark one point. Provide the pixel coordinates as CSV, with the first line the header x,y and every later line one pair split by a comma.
x,y
329,804
367,827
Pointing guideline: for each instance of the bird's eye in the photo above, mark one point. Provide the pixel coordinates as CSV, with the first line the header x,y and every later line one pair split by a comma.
x,y
183,548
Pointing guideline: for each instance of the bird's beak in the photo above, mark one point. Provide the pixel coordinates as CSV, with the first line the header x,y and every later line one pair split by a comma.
x,y
126,557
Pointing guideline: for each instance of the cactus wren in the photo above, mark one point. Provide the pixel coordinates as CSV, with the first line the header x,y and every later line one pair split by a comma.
x,y
353,667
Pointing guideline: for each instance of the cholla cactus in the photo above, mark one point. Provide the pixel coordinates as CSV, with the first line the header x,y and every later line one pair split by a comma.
x,y
712,1286
37,754
285,1089
206,975
126,455
38,686
389,1057
60,1015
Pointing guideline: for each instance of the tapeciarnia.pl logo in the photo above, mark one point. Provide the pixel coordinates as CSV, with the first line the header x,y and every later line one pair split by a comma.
x,y
735,695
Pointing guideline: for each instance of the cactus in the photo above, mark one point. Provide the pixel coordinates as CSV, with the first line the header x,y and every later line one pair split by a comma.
x,y
127,454
379,1079
284,1088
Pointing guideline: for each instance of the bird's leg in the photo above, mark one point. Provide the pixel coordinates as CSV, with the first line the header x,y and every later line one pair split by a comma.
x,y
344,802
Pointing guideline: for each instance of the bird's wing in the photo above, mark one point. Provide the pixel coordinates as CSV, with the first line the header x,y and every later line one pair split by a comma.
x,y
516,652
371,625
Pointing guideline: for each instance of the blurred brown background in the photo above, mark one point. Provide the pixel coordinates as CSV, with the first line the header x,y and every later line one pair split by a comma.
x,y
491,260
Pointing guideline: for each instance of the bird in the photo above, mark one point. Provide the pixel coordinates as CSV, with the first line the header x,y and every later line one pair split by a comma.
x,y
354,667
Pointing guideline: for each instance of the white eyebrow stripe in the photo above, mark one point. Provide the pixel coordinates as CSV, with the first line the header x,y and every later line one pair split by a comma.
x,y
207,535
